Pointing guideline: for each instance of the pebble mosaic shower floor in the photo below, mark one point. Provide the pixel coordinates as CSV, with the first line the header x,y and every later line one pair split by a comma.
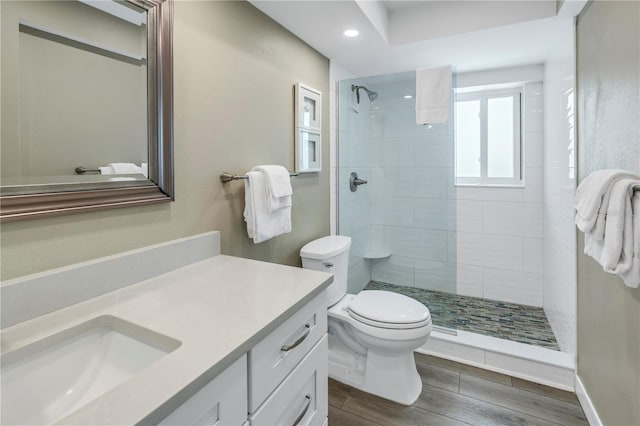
x,y
510,321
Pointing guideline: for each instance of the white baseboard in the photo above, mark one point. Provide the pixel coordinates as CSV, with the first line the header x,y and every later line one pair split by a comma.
x,y
586,403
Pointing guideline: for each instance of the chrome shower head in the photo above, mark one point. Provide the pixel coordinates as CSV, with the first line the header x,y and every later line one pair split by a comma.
x,y
372,95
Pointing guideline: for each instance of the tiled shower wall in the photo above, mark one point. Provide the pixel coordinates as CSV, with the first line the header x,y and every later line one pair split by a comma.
x,y
483,242
499,238
559,183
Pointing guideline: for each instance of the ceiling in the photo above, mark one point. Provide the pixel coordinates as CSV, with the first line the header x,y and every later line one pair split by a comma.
x,y
404,35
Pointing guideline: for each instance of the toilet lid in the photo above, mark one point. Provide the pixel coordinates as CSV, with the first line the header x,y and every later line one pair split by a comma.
x,y
388,310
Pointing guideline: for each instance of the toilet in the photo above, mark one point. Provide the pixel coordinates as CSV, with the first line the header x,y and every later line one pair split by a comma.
x,y
372,335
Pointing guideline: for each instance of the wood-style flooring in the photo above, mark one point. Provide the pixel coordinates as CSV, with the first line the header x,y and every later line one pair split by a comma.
x,y
458,394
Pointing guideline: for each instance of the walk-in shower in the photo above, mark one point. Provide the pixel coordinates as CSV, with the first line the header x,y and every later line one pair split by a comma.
x,y
456,248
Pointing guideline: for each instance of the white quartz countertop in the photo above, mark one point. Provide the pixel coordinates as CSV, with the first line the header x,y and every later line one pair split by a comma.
x,y
217,308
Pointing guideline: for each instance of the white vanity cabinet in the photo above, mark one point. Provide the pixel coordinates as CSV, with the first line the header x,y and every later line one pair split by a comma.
x,y
302,398
223,401
282,380
288,370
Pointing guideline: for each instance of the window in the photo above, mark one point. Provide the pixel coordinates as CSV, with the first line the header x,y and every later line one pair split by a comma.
x,y
487,134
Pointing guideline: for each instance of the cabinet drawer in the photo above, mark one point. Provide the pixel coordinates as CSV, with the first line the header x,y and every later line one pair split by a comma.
x,y
274,357
223,401
302,398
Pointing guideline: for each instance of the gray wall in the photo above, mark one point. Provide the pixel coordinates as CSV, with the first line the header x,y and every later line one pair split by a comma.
x,y
608,55
234,74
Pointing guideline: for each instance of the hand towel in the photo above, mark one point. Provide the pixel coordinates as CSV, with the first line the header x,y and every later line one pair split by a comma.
x,y
614,240
615,250
433,95
125,168
261,223
278,186
106,170
631,278
591,199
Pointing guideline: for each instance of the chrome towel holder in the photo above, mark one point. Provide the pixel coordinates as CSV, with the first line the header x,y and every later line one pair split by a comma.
x,y
228,177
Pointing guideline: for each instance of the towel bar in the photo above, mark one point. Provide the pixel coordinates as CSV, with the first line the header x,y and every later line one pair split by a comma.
x,y
228,177
82,170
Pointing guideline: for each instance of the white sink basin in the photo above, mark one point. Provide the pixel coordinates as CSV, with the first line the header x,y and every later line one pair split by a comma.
x,y
47,380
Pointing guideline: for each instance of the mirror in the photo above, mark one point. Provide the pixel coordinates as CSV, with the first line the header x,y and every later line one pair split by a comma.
x,y
87,108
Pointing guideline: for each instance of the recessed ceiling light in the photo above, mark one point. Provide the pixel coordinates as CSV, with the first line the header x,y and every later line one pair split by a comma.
x,y
351,33
408,96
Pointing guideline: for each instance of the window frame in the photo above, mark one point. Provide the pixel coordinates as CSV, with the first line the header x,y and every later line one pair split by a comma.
x,y
483,97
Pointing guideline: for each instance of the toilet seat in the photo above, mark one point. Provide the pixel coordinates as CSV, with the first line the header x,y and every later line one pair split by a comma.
x,y
389,310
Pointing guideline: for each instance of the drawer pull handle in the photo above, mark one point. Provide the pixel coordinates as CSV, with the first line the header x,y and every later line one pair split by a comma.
x,y
287,348
304,411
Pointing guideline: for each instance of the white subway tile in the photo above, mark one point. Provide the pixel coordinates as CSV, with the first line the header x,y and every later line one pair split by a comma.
x,y
513,286
394,270
437,152
400,182
533,254
392,211
358,277
534,89
359,244
434,275
488,194
515,219
430,183
534,149
533,191
434,213
469,216
416,242
533,114
435,245
494,251
354,215
469,280
396,152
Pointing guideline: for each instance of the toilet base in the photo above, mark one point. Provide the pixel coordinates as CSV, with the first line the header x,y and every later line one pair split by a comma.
x,y
390,376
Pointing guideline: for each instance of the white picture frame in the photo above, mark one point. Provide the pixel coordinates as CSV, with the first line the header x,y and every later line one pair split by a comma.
x,y
308,125
308,107
308,151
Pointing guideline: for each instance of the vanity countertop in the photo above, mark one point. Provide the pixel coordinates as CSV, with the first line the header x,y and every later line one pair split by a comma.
x,y
217,308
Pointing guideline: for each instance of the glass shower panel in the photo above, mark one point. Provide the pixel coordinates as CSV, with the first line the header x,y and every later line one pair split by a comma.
x,y
403,221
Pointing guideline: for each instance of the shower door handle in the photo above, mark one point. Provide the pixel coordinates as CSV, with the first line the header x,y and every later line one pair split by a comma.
x,y
355,181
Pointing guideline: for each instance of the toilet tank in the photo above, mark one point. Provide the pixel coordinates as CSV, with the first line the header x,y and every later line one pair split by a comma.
x,y
329,254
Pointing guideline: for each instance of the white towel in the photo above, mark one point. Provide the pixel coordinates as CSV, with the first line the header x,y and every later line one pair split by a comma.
x,y
592,198
261,223
106,170
125,168
278,186
615,250
612,224
631,278
433,95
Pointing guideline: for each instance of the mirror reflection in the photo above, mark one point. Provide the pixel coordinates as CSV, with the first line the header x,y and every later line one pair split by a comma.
x,y
74,93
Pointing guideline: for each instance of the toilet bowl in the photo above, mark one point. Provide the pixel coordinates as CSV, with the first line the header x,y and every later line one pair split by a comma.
x,y
372,335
